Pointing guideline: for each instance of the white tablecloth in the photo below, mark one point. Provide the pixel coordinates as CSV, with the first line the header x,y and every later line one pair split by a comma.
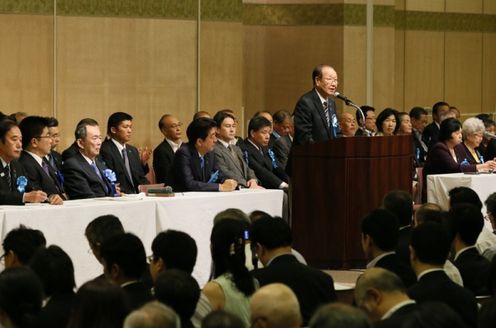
x,y
146,217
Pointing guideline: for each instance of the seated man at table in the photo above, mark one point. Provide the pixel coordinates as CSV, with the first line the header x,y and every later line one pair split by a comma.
x,y
261,159
120,156
272,241
54,157
37,142
380,231
20,245
228,156
194,167
163,154
13,181
85,174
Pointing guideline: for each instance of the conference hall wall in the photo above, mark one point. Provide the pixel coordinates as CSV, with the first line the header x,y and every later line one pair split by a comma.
x,y
89,58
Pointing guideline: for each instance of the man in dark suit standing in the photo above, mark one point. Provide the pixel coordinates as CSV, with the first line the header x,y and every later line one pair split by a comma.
x,y
228,156
272,240
54,157
163,155
315,117
418,116
284,128
120,156
85,175
37,142
430,135
194,167
13,181
429,250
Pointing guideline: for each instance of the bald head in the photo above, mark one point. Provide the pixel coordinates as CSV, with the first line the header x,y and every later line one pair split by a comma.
x,y
338,315
348,124
275,306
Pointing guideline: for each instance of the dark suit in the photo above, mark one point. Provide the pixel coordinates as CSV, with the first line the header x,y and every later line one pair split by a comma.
x,y
137,294
490,150
474,269
437,286
38,178
163,156
233,168
463,153
57,311
81,181
187,174
431,134
393,263
72,150
55,160
310,121
439,161
8,196
402,248
114,160
420,149
312,287
270,177
281,148
398,317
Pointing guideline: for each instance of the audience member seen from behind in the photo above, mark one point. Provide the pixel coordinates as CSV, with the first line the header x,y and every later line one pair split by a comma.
x,y
163,154
55,269
222,319
20,245
434,315
99,303
275,306
472,132
387,122
339,315
491,216
152,315
180,291
20,298
233,284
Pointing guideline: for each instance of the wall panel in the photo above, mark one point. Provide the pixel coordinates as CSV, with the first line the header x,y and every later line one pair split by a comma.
x,y
354,64
488,73
384,77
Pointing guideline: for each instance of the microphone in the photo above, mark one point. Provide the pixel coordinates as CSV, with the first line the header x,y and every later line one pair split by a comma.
x,y
342,97
489,135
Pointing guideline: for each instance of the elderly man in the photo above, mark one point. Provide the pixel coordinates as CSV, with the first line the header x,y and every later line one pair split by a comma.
x,y
163,155
348,124
315,115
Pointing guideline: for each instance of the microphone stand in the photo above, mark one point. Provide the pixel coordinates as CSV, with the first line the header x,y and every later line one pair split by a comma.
x,y
360,111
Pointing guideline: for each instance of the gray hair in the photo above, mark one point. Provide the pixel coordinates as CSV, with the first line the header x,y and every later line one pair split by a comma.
x,y
153,315
339,315
471,126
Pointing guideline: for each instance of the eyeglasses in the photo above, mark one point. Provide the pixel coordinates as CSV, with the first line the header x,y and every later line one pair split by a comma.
x,y
150,259
47,136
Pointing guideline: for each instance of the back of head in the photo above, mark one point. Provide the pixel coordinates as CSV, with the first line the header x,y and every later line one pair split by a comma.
x,y
429,212
431,242
199,129
466,221
434,315
399,203
379,279
23,242
115,119
275,305
271,233
55,270
103,227
179,290
20,296
338,315
382,226
460,195
227,243
257,215
32,127
232,213
126,251
177,249
153,315
222,319
99,303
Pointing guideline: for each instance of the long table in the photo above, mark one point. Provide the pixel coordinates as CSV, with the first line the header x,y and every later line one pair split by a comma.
x,y
191,212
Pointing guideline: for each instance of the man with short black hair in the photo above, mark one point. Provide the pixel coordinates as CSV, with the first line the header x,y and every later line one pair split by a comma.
x,y
431,132
370,119
36,145
100,229
163,154
272,240
20,245
194,167
54,158
121,157
124,262
380,233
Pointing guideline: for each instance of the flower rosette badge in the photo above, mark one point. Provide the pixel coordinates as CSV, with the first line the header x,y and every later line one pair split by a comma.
x,y
21,182
110,175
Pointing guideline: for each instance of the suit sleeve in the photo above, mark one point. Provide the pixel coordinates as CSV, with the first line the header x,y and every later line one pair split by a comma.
x,y
184,179
162,164
303,122
268,179
138,169
75,183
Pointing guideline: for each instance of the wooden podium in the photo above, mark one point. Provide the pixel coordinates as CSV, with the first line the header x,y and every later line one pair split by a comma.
x,y
334,185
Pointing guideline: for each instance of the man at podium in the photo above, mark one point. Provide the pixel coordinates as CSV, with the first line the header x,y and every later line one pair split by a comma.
x,y
315,117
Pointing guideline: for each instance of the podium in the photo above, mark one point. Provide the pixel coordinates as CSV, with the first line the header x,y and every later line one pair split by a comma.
x,y
334,185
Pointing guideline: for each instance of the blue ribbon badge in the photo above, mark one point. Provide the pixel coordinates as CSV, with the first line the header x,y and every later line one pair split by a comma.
x,y
214,177
110,175
273,158
465,162
22,182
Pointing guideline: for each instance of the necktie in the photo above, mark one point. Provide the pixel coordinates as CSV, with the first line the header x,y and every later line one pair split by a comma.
x,y
326,113
51,160
44,165
97,171
8,176
202,162
126,164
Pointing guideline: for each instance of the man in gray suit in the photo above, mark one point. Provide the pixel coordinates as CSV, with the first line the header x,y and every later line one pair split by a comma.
x,y
228,155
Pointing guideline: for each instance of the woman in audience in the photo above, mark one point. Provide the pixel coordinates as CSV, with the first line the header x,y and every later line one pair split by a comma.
x,y
405,126
472,132
20,298
56,272
99,303
233,284
387,122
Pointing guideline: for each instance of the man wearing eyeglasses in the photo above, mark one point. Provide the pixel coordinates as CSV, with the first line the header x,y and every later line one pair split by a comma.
x,y
163,155
37,144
